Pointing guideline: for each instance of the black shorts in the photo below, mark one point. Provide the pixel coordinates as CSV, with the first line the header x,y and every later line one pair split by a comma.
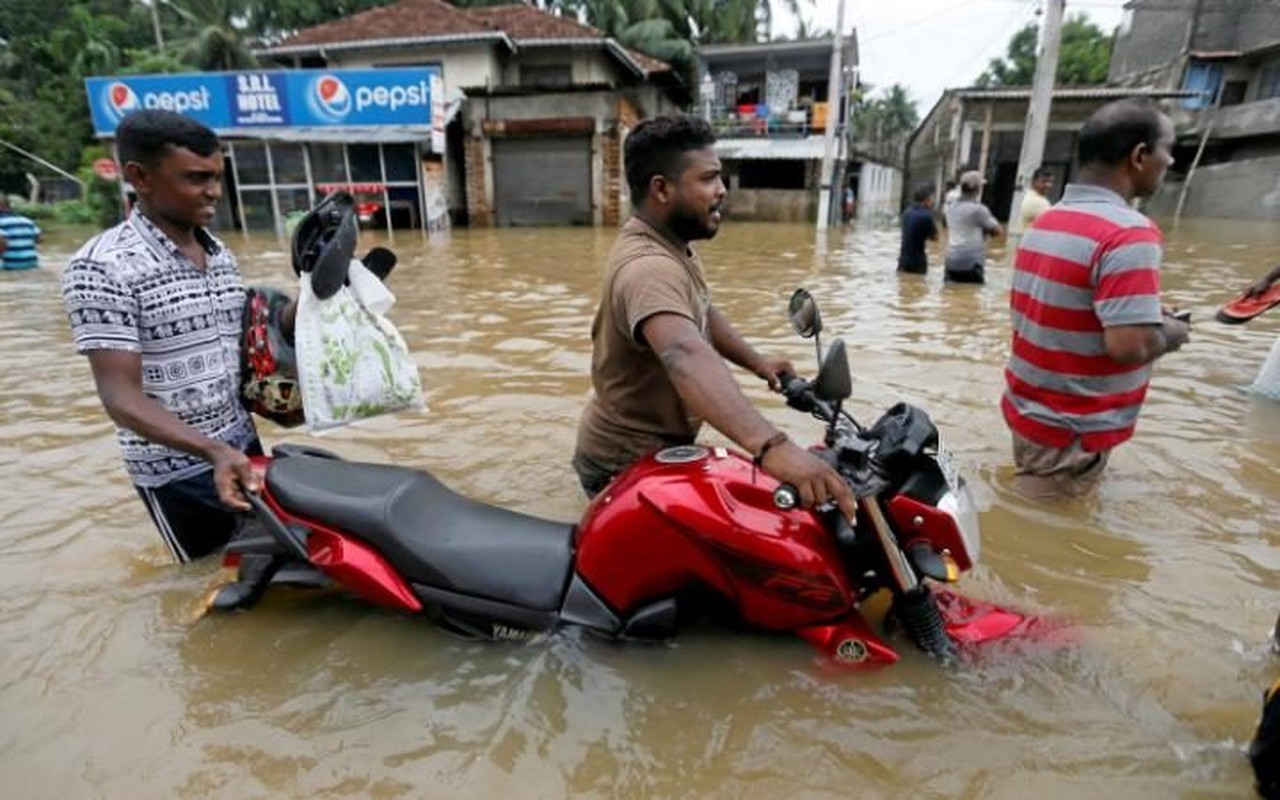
x,y
191,519
974,275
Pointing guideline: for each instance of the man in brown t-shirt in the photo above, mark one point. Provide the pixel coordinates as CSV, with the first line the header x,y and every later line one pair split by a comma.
x,y
659,345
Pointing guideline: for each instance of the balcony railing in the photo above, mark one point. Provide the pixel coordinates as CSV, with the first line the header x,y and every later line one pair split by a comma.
x,y
760,120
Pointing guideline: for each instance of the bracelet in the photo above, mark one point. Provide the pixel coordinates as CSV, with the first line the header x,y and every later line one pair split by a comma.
x,y
774,440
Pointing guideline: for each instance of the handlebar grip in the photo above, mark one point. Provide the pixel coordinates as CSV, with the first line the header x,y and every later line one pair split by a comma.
x,y
845,534
786,497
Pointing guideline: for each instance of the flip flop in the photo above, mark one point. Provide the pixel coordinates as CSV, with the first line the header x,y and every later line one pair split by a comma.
x,y
1243,309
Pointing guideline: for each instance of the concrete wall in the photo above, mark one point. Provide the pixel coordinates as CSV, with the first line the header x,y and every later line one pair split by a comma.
x,y
1149,47
460,65
1258,25
773,205
1250,119
879,191
1236,190
1148,42
591,65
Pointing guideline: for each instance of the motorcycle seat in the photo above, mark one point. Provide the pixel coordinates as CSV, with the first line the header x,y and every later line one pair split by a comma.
x,y
430,534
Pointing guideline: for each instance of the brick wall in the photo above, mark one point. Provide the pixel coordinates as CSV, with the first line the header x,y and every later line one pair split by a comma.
x,y
478,211
614,180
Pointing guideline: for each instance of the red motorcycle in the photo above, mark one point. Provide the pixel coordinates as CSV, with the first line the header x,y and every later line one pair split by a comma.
x,y
684,531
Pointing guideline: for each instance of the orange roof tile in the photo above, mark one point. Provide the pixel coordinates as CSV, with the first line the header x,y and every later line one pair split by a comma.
x,y
403,20
428,19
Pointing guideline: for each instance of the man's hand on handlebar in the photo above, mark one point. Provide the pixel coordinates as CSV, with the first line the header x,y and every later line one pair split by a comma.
x,y
773,370
816,481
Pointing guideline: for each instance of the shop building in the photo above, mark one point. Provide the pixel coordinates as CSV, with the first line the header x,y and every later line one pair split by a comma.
x,y
291,136
771,105
982,128
534,106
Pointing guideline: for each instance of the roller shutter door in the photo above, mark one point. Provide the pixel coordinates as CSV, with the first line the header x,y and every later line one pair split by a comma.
x,y
542,181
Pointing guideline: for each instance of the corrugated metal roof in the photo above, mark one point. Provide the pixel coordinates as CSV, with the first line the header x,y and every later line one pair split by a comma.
x,y
1073,93
810,148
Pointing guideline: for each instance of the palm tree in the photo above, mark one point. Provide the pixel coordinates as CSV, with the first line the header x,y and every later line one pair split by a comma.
x,y
86,44
214,34
639,24
899,110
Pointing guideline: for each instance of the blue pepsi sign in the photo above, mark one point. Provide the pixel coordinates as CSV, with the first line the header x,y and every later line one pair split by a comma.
x,y
234,102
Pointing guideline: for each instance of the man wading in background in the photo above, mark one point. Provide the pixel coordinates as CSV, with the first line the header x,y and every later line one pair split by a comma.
x,y
1087,318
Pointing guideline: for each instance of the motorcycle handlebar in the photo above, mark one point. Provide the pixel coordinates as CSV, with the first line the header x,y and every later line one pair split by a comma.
x,y
787,497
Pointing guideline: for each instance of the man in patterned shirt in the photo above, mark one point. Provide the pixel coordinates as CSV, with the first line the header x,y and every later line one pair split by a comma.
x,y
1087,318
156,304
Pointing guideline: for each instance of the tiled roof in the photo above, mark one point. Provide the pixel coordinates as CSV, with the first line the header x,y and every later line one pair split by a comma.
x,y
402,20
426,20
520,21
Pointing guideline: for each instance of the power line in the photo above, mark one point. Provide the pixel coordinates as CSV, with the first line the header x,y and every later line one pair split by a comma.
x,y
1020,16
916,23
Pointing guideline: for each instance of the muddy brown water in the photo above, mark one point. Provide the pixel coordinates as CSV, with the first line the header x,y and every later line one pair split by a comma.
x,y
109,689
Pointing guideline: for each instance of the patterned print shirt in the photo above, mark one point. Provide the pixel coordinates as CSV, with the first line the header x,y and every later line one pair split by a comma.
x,y
131,288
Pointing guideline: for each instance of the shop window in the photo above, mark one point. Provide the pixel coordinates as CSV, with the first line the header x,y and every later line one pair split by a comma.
x,y
327,164
289,163
251,164
255,206
292,200
1269,81
401,161
366,166
1206,79
1233,93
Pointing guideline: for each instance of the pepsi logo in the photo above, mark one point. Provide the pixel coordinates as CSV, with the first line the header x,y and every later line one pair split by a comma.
x,y
119,100
330,97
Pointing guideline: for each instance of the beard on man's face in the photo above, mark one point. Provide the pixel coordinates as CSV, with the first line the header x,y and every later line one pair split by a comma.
x,y
691,226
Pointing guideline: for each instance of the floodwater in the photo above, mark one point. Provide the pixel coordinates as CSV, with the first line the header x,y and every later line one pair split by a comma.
x,y
110,688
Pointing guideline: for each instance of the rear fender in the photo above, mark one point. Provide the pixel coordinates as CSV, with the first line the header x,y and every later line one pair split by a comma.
x,y
351,563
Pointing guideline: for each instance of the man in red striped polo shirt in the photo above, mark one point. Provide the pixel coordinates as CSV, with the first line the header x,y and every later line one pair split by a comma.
x,y
1085,302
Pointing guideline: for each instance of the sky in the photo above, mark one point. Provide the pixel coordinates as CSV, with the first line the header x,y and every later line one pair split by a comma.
x,y
932,45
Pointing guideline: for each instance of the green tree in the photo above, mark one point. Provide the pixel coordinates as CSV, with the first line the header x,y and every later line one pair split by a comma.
x,y
49,48
672,30
273,19
881,124
214,34
1083,57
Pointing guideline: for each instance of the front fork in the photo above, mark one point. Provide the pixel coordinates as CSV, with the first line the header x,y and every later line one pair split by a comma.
x,y
914,606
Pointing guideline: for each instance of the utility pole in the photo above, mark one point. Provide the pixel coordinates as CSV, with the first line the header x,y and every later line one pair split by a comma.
x,y
834,96
1041,99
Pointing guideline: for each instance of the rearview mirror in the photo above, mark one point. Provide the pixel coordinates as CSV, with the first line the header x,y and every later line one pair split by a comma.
x,y
803,310
834,383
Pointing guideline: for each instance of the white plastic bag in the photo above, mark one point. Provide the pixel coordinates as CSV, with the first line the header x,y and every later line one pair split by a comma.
x,y
352,363
1267,383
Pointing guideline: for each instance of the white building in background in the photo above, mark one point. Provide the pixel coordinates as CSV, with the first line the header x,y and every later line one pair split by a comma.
x,y
879,191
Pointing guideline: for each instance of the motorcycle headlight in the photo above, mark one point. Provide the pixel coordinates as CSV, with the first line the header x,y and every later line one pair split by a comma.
x,y
959,505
